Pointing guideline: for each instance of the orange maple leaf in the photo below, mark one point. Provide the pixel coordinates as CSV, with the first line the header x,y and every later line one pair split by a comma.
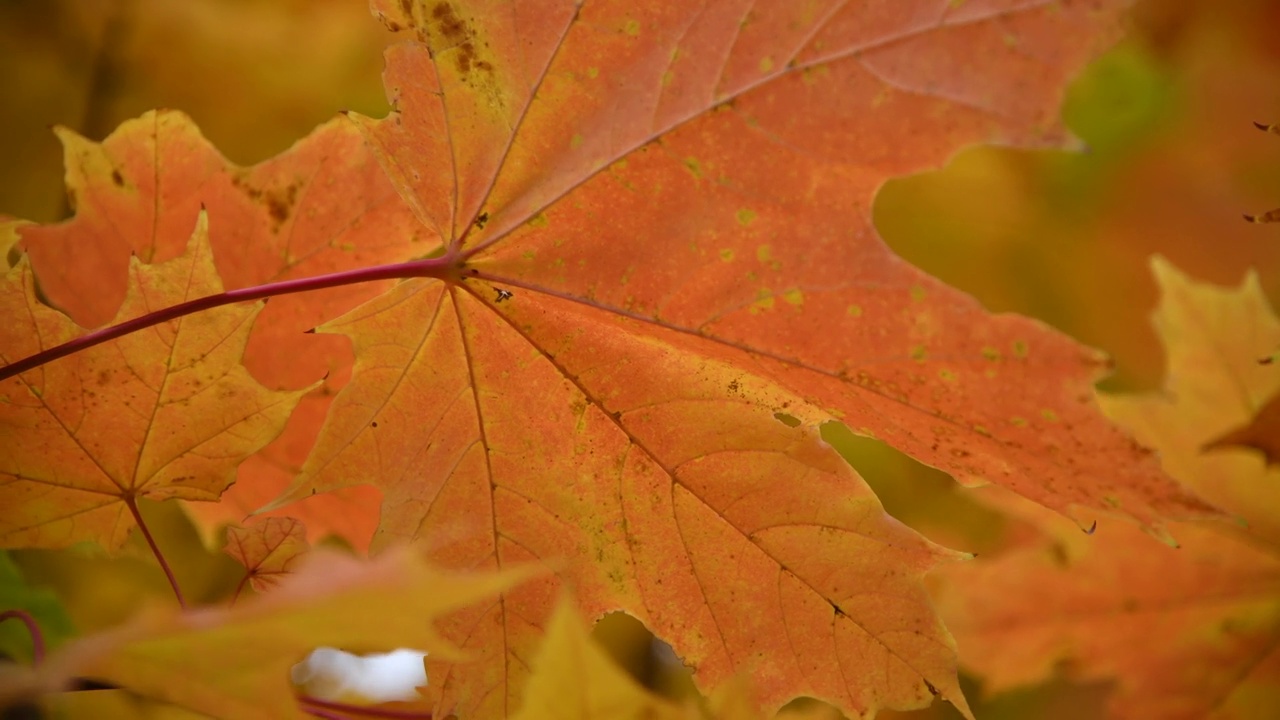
x,y
268,548
665,257
165,413
1191,632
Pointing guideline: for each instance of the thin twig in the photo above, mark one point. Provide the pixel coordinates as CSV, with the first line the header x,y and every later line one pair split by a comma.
x,y
433,267
33,628
363,710
155,550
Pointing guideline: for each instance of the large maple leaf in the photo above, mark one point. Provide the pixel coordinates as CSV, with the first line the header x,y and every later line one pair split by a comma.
x,y
1192,632
658,277
663,217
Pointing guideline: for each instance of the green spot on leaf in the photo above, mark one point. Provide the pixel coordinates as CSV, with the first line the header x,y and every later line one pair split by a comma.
x,y
788,420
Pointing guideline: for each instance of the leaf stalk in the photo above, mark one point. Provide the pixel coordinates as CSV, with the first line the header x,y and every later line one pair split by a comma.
x,y
33,628
440,267
155,550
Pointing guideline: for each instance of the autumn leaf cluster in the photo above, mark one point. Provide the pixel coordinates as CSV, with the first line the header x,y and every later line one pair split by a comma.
x,y
585,325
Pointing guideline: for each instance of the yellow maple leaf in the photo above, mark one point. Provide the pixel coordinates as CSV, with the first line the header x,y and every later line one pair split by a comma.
x,y
161,413
234,662
1213,337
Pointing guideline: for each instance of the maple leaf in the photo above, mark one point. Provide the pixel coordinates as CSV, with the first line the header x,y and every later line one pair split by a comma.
x,y
268,548
138,192
663,216
1213,338
234,662
1191,632
162,414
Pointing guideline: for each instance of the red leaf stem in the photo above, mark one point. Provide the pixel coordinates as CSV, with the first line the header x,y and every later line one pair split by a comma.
x,y
33,627
432,267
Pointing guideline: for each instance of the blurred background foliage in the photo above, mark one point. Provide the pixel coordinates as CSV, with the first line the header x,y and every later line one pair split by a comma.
x,y
1166,162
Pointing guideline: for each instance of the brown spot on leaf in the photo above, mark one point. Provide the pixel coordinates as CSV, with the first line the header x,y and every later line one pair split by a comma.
x,y
279,205
451,32
448,24
278,202
466,53
117,178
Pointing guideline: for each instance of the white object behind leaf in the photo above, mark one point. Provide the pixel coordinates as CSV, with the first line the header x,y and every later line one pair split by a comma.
x,y
339,676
